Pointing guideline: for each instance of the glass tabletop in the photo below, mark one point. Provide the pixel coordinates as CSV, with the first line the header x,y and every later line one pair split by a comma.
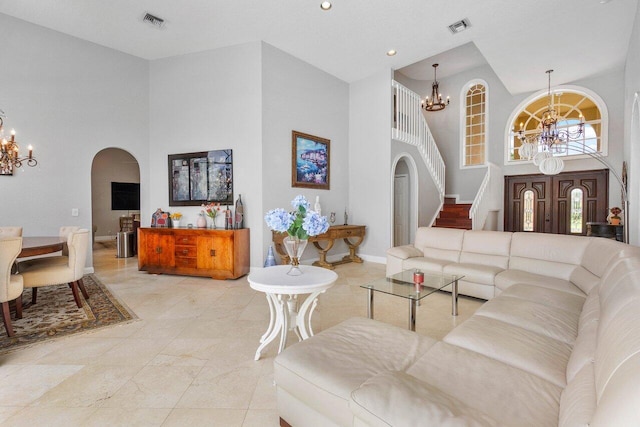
x,y
401,284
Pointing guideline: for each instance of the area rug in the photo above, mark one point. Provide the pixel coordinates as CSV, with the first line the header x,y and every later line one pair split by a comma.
x,y
56,314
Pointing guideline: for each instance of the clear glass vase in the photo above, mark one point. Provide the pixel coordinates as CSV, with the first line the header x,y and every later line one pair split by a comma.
x,y
294,247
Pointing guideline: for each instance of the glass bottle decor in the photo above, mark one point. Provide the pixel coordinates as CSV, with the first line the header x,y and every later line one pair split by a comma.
x,y
317,206
239,213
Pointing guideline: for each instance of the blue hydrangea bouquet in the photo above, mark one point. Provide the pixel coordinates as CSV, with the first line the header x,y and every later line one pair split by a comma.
x,y
299,225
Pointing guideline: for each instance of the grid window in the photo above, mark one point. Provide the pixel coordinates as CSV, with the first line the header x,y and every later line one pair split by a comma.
x,y
475,125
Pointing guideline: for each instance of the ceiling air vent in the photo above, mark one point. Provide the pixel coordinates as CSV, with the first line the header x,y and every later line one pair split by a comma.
x,y
458,27
153,20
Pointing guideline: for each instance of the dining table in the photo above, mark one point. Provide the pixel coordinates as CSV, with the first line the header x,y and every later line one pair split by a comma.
x,y
41,245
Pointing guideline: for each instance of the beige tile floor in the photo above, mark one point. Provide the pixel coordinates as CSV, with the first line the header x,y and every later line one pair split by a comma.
x,y
188,360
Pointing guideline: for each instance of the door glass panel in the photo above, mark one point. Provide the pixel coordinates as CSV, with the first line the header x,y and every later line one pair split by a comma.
x,y
576,211
528,211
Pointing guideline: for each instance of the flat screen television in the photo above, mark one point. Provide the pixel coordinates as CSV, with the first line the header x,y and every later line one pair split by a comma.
x,y
125,196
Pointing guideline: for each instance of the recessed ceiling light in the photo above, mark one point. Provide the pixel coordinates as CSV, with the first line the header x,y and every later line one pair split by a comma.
x,y
391,52
604,1
325,5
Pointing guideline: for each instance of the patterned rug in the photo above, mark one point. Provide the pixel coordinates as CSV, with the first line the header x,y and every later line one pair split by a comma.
x,y
56,314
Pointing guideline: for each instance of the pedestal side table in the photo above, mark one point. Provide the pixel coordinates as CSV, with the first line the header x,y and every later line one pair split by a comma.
x,y
282,293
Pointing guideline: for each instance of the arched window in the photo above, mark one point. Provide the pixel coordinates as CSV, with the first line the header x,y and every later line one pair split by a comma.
x,y
569,102
474,120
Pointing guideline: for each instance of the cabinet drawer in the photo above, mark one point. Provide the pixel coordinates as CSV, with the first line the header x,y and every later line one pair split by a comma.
x,y
186,251
186,240
186,262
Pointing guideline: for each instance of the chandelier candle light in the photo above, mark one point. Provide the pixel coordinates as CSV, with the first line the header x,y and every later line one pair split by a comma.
x,y
299,225
548,139
9,151
435,103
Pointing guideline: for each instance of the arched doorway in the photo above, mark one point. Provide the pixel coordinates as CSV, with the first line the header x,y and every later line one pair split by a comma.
x,y
111,165
404,217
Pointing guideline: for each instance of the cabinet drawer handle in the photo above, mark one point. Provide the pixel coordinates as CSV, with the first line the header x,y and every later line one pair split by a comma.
x,y
159,250
184,239
185,252
212,252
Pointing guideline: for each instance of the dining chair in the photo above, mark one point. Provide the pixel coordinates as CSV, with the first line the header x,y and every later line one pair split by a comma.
x,y
11,285
10,231
46,273
65,230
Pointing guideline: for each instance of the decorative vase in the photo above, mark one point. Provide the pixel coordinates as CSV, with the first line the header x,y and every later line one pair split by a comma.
x,y
175,223
271,259
202,221
213,222
295,248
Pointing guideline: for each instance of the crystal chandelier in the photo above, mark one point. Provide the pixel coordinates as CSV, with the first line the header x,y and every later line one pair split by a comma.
x,y
435,103
10,151
548,139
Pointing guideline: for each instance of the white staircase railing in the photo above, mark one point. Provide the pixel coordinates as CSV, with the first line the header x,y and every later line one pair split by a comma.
x,y
487,198
411,127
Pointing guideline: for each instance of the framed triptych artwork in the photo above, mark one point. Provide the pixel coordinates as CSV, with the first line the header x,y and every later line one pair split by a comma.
x,y
197,178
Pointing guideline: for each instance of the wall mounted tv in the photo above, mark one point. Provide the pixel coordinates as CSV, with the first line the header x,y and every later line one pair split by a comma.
x,y
125,196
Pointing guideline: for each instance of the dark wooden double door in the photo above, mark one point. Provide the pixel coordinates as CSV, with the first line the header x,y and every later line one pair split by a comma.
x,y
550,208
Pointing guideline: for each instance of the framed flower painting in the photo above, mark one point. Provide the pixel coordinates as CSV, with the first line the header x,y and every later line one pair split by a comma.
x,y
310,161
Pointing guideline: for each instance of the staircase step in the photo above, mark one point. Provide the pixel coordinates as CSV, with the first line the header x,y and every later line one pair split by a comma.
x,y
464,224
449,200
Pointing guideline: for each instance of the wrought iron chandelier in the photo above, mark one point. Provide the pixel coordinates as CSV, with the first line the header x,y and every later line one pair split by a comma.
x,y
10,151
435,103
548,139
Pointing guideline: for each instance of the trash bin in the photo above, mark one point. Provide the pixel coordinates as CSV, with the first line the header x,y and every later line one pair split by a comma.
x,y
124,244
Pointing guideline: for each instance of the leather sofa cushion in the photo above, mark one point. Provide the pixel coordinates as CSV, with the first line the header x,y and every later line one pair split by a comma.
x,y
539,318
509,278
618,405
556,248
486,248
425,264
323,370
549,297
503,392
482,274
523,349
399,399
578,400
439,238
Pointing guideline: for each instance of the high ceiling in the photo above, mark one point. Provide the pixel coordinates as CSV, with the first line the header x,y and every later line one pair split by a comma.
x,y
519,39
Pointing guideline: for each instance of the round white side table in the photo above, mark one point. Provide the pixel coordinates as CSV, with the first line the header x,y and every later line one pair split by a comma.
x,y
282,293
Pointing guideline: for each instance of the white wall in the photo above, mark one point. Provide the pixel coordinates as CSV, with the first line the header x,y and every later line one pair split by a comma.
x,y
208,101
298,96
370,120
632,129
70,99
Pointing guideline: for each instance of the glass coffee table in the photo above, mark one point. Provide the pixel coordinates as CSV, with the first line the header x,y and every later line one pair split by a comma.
x,y
402,285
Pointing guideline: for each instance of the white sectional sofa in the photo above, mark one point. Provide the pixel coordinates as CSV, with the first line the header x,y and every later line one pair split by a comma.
x,y
557,344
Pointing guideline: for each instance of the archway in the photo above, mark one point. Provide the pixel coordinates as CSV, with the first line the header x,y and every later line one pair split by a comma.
x,y
112,165
405,207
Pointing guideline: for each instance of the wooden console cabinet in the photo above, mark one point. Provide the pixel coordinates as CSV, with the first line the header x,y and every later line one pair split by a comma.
x,y
220,254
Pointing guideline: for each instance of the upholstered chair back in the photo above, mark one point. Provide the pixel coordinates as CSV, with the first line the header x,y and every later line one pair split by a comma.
x,y
64,233
9,249
440,243
78,243
10,231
